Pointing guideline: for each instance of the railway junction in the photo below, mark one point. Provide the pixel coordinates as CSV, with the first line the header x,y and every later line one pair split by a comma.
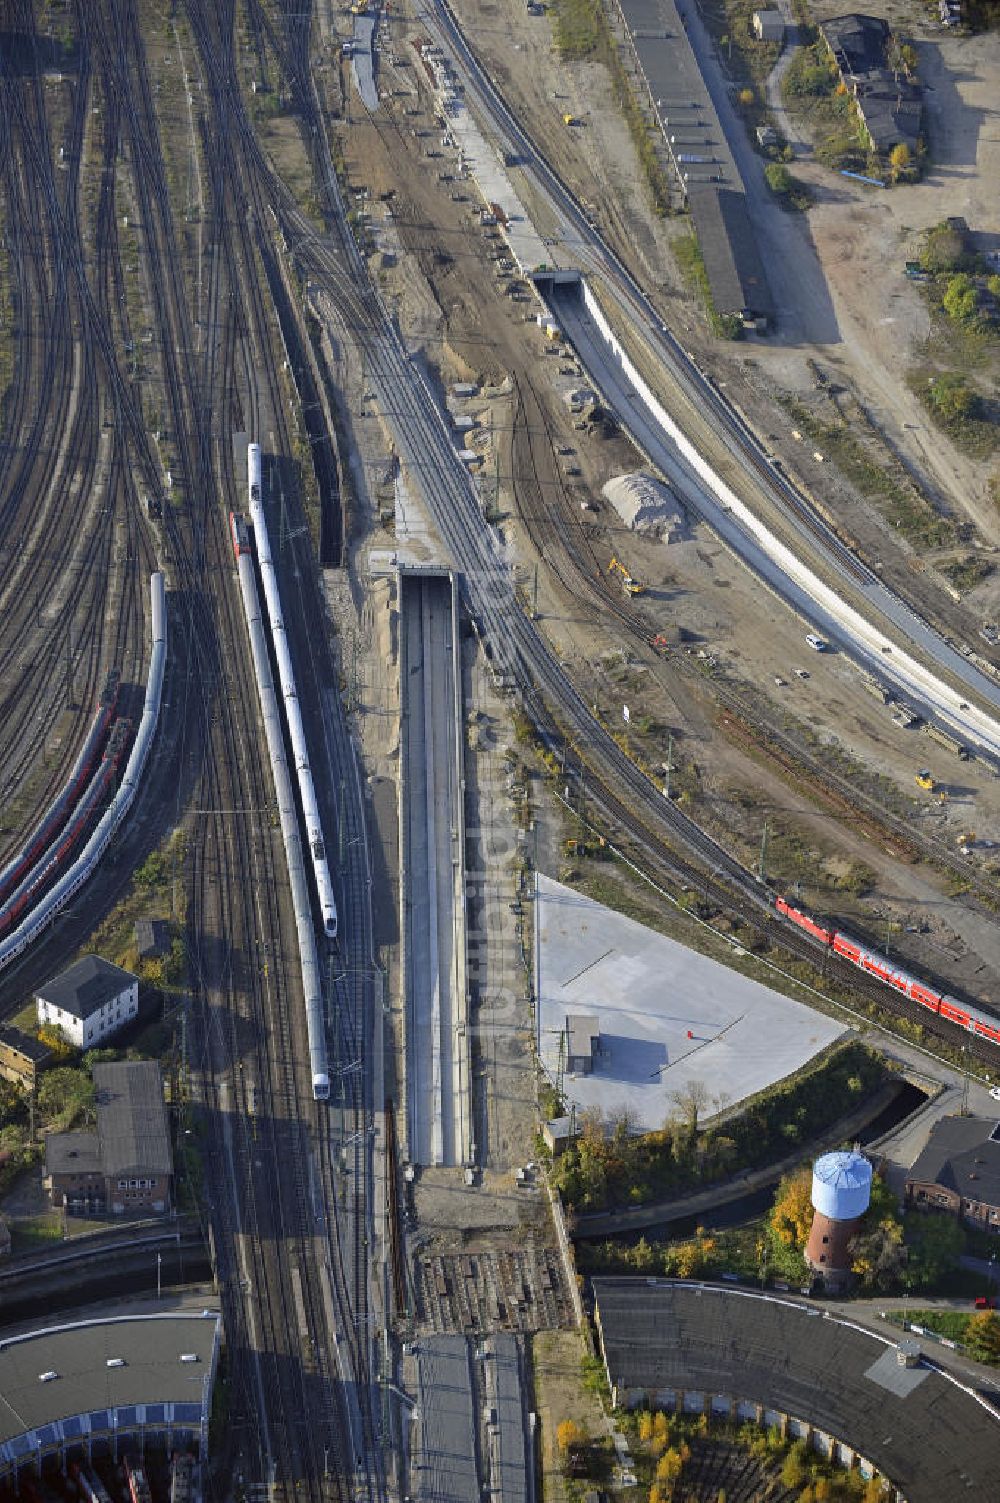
x,y
186,250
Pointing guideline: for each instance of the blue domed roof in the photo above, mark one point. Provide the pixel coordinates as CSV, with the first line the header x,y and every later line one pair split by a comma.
x,y
842,1185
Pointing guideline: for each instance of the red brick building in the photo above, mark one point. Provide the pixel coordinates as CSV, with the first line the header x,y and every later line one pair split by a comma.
x,y
125,1167
959,1171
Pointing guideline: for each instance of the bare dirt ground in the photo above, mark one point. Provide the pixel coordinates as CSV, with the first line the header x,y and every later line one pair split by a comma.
x,y
556,1358
862,237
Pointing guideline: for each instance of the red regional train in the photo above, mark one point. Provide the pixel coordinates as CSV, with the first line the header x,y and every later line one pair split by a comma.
x,y
947,1007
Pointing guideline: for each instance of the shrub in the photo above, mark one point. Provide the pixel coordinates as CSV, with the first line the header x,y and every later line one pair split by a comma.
x,y
951,397
944,249
960,299
779,179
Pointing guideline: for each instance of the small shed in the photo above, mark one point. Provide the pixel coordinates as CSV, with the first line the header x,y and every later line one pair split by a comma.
x,y
152,938
558,1133
582,1038
769,26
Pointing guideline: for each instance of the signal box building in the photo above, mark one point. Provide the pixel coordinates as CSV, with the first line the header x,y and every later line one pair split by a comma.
x,y
959,1172
125,1167
90,1001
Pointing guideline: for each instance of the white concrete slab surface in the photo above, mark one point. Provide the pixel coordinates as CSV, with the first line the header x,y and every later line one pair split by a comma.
x,y
648,993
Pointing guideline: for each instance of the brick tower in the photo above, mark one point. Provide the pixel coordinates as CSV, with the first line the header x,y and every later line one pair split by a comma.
x,y
841,1191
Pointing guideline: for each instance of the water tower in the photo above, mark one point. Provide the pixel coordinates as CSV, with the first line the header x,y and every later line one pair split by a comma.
x,y
841,1191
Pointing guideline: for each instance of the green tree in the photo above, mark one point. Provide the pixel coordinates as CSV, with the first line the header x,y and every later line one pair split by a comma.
x,y
878,1256
935,1242
961,299
779,179
982,1336
66,1097
993,284
899,159
54,1039
795,1469
792,1213
943,249
951,397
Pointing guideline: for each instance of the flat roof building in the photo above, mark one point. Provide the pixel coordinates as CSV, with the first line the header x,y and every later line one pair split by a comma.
x,y
90,1001
769,26
582,1035
97,1387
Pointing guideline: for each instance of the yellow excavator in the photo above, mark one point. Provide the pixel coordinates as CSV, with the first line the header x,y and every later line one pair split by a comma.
x,y
923,779
629,585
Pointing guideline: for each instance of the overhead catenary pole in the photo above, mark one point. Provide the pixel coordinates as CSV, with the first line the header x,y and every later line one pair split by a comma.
x,y
762,863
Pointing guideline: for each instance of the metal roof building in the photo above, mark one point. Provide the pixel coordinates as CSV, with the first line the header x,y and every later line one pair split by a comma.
x,y
734,1352
93,1387
132,1118
729,248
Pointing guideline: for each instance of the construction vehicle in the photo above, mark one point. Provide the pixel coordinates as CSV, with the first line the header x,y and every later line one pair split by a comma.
x,y
570,120
629,585
923,779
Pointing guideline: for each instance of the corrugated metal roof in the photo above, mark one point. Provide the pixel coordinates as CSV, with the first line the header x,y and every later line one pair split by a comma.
x,y
729,249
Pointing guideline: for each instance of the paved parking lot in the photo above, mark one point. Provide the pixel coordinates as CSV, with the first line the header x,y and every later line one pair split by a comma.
x,y
667,1015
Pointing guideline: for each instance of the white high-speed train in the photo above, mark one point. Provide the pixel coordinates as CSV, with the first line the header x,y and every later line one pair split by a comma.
x,y
290,698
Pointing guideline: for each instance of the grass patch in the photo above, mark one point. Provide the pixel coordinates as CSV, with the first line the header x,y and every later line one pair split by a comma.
x,y
811,91
967,571
691,263
901,504
29,1232
576,27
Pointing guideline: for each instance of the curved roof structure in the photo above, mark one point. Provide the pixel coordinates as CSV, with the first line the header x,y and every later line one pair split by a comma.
x,y
65,1385
932,1437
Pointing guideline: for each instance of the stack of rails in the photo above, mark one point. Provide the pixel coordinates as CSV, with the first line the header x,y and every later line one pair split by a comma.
x,y
36,880
58,811
86,863
290,698
287,812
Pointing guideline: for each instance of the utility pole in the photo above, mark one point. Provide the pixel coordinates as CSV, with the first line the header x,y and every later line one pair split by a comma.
x,y
668,766
69,668
762,863
534,596
341,850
